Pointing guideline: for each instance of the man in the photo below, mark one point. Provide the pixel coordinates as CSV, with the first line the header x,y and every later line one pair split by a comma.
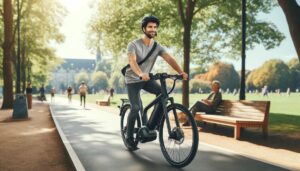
x,y
210,104
69,91
82,93
137,76
42,93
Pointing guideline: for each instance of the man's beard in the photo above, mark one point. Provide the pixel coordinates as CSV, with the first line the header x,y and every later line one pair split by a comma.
x,y
150,36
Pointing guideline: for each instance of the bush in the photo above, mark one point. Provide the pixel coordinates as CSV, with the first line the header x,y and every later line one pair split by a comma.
x,y
196,84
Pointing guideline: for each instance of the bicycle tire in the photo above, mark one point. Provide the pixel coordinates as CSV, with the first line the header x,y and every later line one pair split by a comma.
x,y
124,114
173,154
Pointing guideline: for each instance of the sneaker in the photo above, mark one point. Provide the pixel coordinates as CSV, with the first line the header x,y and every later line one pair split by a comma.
x,y
131,144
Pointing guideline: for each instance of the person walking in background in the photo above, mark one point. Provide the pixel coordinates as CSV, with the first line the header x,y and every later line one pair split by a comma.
x,y
29,95
288,91
52,94
42,93
69,91
82,93
265,91
111,91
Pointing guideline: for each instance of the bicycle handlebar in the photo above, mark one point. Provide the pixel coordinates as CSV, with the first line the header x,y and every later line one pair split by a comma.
x,y
164,76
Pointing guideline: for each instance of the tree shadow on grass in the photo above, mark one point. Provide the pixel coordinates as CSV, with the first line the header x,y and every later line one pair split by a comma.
x,y
283,132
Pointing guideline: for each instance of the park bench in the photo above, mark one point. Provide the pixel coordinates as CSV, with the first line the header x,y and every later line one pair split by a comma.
x,y
104,102
239,114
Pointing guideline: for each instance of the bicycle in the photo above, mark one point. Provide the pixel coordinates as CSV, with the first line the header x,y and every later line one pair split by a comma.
x,y
178,144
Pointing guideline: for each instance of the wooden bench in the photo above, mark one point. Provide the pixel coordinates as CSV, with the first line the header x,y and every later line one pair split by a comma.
x,y
240,114
104,102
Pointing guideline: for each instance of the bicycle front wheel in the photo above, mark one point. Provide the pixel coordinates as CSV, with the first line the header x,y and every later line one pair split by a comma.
x,y
180,145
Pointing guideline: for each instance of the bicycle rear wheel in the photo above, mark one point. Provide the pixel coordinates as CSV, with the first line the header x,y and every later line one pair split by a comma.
x,y
180,147
124,115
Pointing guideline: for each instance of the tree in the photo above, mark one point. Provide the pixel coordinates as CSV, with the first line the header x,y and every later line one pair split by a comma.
x,y
7,55
197,84
216,23
104,65
294,66
273,73
81,76
40,21
292,12
117,82
223,72
99,80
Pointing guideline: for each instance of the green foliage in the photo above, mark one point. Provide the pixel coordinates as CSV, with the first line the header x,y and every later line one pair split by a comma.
x,y
99,80
104,65
223,72
215,32
273,73
117,82
40,22
81,76
294,67
196,85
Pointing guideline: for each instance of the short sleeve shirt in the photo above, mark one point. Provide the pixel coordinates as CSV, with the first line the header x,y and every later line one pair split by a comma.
x,y
138,48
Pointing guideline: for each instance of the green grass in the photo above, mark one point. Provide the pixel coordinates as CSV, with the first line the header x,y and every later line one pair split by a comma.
x,y
284,110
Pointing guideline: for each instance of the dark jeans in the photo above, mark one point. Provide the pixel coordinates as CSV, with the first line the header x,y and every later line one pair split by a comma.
x,y
136,104
82,97
201,107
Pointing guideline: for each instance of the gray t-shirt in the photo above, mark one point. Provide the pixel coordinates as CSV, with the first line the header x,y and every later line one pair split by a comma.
x,y
141,50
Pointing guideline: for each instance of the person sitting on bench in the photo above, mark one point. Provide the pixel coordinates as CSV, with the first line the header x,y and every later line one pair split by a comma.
x,y
210,104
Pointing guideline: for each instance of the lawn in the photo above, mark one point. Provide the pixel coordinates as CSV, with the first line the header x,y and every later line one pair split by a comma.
x,y
284,111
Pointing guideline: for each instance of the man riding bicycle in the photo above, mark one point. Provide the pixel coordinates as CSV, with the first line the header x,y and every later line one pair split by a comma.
x,y
137,76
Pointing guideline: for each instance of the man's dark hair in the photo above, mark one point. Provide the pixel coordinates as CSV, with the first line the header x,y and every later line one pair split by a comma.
x,y
150,18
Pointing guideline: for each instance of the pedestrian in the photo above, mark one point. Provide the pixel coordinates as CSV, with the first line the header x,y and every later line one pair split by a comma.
x,y
42,93
265,91
82,92
69,91
112,90
288,91
52,94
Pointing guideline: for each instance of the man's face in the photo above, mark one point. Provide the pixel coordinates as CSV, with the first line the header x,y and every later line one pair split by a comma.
x,y
151,30
215,87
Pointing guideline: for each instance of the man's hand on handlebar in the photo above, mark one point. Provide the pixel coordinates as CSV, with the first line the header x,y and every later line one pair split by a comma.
x,y
144,76
185,76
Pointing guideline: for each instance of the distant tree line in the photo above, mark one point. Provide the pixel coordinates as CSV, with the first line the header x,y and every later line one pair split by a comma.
x,y
274,73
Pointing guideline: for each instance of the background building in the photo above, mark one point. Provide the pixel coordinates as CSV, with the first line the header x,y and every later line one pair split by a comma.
x,y
64,75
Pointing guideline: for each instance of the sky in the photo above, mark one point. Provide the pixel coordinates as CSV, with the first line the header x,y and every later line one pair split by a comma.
x,y
80,11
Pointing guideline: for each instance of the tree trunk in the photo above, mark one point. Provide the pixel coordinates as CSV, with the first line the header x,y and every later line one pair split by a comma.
x,y
7,55
292,12
186,16
186,64
23,66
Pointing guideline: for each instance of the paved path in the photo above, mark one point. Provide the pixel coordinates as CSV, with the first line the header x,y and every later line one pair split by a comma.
x,y
95,137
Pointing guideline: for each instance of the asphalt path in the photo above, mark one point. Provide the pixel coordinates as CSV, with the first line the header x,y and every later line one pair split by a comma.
x,y
94,137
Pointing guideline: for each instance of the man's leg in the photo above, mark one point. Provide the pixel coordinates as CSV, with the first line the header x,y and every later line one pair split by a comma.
x,y
198,107
154,88
84,96
135,102
80,99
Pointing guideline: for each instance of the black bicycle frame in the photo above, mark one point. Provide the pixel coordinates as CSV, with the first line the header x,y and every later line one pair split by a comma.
x,y
162,98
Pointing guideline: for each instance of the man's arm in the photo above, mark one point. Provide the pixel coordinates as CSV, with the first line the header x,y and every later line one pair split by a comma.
x,y
171,61
135,67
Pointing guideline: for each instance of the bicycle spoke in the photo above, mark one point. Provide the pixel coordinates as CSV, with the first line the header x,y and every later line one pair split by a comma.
x,y
182,143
